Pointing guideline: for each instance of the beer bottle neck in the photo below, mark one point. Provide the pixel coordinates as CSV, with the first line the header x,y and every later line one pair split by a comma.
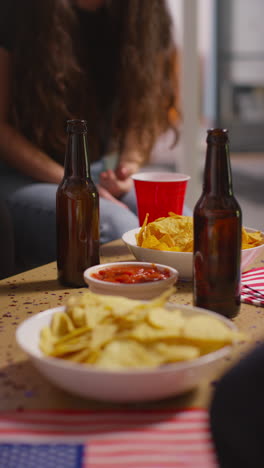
x,y
77,162
217,173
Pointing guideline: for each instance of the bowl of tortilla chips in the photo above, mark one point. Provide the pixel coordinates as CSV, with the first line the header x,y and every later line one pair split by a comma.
x,y
169,241
112,348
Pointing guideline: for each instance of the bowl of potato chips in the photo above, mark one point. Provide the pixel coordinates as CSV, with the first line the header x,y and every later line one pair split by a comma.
x,y
112,348
169,241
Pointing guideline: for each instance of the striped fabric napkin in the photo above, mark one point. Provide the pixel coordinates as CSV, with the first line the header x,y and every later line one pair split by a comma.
x,y
252,291
106,439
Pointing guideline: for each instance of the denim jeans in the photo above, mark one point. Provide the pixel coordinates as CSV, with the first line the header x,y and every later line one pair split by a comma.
x,y
32,207
33,210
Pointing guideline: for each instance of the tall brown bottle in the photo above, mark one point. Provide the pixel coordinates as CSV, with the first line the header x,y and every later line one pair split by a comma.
x,y
77,209
217,232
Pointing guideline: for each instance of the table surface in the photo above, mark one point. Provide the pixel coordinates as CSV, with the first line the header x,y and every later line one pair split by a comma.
x,y
23,387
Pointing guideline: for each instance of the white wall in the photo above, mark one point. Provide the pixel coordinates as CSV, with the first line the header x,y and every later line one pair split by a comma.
x,y
205,8
205,38
191,20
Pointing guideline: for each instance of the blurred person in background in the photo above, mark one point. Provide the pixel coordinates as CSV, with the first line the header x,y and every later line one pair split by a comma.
x,y
111,62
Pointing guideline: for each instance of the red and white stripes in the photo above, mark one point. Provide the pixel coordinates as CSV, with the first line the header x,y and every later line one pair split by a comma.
x,y
119,438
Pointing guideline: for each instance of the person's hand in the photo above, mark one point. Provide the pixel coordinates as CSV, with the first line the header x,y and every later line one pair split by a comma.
x,y
107,195
116,182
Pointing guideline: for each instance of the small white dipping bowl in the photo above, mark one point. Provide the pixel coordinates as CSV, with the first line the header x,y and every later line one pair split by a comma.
x,y
182,261
142,291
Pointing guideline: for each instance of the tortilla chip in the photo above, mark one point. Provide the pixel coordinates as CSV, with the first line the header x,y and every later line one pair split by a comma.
x,y
175,234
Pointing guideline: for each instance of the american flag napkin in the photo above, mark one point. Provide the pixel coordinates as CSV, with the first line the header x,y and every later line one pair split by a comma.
x,y
106,439
252,291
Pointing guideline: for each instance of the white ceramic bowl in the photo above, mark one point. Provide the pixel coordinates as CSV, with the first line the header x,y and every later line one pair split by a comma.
x,y
144,291
118,386
250,255
182,261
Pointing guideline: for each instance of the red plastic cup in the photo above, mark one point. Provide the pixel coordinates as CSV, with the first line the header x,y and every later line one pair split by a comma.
x,y
158,193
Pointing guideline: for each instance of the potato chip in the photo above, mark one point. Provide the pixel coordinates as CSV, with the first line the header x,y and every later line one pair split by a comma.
x,y
175,353
61,324
121,354
70,348
47,340
208,333
81,356
145,333
175,234
162,318
77,315
121,333
74,335
102,334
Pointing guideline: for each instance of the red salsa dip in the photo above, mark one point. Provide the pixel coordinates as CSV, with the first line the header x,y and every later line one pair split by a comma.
x,y
131,274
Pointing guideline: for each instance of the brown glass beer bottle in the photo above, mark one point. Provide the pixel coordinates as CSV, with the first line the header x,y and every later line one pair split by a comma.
x,y
77,210
217,221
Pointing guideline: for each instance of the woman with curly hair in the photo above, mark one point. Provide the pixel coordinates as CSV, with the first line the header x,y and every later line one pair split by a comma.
x,y
111,62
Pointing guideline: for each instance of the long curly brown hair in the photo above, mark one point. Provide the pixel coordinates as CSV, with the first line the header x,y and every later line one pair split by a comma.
x,y
53,80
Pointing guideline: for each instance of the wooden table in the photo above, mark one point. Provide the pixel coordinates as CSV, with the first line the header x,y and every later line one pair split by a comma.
x,y
22,387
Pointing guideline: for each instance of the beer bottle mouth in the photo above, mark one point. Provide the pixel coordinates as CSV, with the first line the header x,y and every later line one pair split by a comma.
x,y
76,126
217,135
